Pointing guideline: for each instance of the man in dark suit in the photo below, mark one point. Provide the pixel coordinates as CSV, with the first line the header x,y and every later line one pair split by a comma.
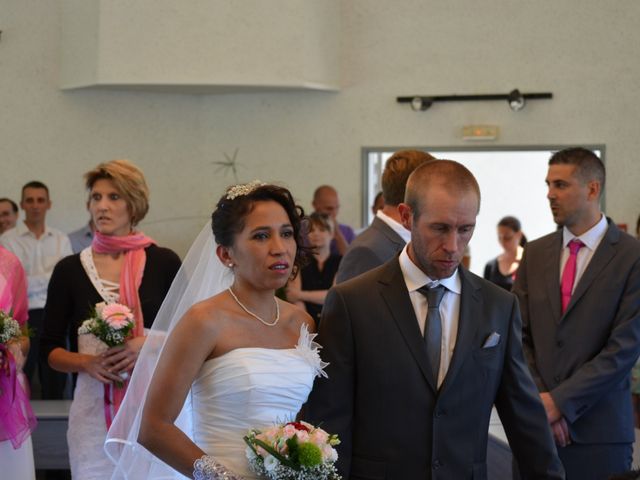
x,y
386,236
579,291
409,405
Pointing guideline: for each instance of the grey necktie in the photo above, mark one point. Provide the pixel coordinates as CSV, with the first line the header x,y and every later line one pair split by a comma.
x,y
433,326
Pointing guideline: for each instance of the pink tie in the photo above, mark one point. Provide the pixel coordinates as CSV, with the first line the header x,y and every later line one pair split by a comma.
x,y
569,273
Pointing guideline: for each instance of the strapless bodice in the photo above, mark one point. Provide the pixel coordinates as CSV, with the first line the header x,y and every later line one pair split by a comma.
x,y
250,388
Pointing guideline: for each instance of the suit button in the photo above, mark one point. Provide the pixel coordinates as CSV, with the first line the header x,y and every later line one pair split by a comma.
x,y
560,344
440,413
436,464
557,379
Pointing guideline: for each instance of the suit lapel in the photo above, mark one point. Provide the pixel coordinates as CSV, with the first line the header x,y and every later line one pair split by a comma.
x,y
394,292
468,323
601,257
553,251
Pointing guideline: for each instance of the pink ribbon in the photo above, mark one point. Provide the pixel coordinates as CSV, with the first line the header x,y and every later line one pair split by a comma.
x,y
17,420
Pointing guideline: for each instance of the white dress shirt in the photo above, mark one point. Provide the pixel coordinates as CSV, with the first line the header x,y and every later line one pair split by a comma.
x,y
591,239
395,226
449,306
38,257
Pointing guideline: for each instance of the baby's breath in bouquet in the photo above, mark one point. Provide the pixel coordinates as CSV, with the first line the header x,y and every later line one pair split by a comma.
x,y
293,451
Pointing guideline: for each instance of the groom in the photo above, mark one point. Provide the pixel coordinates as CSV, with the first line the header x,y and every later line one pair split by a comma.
x,y
419,349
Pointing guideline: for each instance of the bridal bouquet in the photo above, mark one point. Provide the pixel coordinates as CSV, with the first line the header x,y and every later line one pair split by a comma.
x,y
110,323
9,330
293,451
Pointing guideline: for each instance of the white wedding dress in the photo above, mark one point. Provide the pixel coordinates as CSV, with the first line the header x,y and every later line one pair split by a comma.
x,y
250,388
243,389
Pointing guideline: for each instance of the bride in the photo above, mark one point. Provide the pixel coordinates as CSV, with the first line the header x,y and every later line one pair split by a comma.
x,y
236,360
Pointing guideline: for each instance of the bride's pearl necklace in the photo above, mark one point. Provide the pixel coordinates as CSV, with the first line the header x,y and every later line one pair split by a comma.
x,y
272,324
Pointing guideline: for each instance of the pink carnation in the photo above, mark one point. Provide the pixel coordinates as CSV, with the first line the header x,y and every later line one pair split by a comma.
x,y
117,316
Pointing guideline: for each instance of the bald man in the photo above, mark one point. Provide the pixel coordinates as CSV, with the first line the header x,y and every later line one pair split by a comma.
x,y
325,200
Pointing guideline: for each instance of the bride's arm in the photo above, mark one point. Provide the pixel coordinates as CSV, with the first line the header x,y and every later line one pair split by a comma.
x,y
187,348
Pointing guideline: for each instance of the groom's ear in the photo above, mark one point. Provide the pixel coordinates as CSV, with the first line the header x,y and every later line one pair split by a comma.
x,y
406,215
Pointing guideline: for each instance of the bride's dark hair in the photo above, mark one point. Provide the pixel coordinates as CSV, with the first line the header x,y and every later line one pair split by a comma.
x,y
228,219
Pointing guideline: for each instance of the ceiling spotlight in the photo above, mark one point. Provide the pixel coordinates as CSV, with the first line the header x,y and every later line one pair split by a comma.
x,y
516,100
420,103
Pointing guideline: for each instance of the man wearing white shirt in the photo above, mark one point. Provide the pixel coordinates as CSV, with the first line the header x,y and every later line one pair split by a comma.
x,y
39,248
419,349
579,291
386,236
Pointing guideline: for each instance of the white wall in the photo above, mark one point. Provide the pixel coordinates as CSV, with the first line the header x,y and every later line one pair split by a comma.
x,y
582,51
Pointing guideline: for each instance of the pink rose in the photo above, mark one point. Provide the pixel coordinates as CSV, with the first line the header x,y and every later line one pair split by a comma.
x,y
319,437
289,431
117,316
303,436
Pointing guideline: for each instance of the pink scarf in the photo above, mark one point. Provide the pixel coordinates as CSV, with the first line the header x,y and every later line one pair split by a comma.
x,y
130,279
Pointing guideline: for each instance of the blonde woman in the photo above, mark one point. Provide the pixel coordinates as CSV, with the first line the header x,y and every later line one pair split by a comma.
x,y
122,265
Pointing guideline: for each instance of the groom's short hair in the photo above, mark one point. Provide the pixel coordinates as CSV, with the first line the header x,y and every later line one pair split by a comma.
x,y
454,176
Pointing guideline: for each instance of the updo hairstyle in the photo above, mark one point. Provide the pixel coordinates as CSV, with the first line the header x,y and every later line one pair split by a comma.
x,y
128,180
228,218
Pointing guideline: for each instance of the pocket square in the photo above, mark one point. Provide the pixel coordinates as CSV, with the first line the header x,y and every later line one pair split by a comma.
x,y
492,340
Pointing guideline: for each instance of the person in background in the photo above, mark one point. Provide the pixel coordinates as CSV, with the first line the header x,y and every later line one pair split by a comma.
x,y
82,238
502,269
310,287
124,266
16,417
325,200
39,247
8,214
386,236
579,295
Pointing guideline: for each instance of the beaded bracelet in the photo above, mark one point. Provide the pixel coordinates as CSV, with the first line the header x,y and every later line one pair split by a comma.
x,y
207,468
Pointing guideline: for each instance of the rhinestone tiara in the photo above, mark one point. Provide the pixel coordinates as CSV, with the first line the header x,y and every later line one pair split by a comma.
x,y
243,189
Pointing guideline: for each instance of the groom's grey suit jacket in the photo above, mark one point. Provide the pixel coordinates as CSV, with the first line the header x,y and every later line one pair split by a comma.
x,y
584,357
380,398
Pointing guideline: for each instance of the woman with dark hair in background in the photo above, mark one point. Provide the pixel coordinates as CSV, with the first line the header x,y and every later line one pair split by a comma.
x,y
502,269
309,289
124,266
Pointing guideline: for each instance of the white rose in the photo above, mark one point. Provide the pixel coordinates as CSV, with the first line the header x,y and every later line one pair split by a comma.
x,y
99,307
270,462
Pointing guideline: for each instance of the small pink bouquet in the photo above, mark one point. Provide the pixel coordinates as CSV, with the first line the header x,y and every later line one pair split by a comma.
x,y
111,323
293,451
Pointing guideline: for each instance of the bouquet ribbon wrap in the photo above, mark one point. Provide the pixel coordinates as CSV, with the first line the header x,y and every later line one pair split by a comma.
x,y
17,420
